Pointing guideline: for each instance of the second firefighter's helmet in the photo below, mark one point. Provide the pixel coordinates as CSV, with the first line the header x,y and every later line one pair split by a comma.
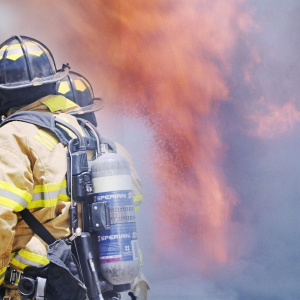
x,y
79,90
26,62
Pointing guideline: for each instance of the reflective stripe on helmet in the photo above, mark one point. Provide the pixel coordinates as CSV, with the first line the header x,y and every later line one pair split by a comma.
x,y
15,51
79,85
2,274
13,197
63,87
24,258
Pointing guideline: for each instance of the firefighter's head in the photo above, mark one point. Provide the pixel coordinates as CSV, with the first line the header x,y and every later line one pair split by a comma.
x,y
27,72
79,90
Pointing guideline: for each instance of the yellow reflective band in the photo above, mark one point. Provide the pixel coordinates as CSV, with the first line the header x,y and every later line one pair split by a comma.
x,y
48,139
137,201
86,82
11,204
17,265
33,49
64,183
141,258
25,258
79,85
35,258
63,87
15,51
47,195
59,102
12,255
13,197
14,56
36,53
63,195
14,46
3,48
13,189
2,51
44,188
42,203
64,198
2,274
138,198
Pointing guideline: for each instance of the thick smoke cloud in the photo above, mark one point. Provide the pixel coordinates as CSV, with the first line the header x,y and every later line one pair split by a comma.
x,y
220,81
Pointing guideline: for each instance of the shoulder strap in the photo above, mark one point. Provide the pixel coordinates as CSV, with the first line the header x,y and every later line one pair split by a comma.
x,y
37,227
40,119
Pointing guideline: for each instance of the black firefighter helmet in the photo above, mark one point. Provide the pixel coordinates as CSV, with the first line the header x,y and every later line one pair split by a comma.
x,y
79,90
27,72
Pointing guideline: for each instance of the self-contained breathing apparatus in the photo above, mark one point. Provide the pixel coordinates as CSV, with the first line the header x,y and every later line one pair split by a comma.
x,y
102,218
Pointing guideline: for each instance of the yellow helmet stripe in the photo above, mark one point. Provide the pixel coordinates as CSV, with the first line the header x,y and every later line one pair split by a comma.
x,y
15,51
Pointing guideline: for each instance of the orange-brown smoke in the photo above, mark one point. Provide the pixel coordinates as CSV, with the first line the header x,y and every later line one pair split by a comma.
x,y
166,61
173,61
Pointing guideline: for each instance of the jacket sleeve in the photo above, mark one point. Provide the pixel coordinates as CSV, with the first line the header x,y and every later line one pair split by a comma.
x,y
136,181
15,193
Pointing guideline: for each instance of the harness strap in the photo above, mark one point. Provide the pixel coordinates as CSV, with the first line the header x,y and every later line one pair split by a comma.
x,y
43,120
37,227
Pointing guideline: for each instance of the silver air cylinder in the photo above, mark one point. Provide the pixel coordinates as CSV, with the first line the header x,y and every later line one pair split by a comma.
x,y
118,246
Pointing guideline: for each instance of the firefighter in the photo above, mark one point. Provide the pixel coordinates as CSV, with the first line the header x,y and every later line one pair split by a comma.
x,y
32,161
78,89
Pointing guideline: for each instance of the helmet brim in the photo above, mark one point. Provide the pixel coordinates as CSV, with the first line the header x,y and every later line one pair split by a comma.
x,y
37,81
97,105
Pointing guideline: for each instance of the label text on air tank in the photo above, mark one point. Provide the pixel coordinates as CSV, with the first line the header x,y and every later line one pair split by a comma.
x,y
112,196
115,237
